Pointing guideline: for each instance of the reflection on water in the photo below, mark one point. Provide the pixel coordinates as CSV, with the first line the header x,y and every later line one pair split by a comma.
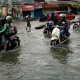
x,y
10,57
36,60
47,35
61,53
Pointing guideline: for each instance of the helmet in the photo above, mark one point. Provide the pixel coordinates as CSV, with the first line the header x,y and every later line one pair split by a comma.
x,y
63,22
62,15
9,18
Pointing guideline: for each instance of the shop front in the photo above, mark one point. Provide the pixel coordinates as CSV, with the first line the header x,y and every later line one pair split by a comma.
x,y
16,9
49,7
75,8
79,10
38,12
63,7
28,9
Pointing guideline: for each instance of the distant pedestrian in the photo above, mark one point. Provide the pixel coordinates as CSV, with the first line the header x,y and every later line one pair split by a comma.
x,y
28,22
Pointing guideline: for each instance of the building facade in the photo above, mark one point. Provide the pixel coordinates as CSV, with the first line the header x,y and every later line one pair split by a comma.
x,y
38,7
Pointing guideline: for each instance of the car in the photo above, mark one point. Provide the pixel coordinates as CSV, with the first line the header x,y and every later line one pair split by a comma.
x,y
69,15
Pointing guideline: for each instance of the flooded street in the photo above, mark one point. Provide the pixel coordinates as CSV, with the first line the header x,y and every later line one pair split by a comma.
x,y
35,59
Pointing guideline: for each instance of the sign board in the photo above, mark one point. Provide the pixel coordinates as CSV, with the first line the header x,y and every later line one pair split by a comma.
x,y
50,5
38,5
28,8
75,5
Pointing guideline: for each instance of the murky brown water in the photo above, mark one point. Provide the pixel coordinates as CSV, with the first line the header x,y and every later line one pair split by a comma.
x,y
35,59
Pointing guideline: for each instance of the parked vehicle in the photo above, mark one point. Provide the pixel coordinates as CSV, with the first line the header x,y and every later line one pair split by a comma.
x,y
76,25
43,18
69,16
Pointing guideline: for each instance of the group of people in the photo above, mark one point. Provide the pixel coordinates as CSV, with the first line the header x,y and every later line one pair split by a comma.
x,y
62,23
7,29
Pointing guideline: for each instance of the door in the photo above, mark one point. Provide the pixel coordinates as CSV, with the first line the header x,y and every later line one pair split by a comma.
x,y
38,13
25,13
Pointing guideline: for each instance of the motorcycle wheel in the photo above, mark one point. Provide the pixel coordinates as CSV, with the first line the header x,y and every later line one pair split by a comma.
x,y
15,43
45,32
18,41
54,42
75,26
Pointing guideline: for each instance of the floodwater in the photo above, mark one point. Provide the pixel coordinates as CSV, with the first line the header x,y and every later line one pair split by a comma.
x,y
35,59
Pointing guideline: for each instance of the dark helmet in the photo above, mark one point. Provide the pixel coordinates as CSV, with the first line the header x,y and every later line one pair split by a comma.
x,y
62,16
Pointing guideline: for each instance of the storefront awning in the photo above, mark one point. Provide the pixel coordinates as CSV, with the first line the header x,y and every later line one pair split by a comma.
x,y
50,5
38,5
75,5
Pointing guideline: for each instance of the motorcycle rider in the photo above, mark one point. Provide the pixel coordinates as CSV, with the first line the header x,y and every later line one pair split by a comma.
x,y
47,26
3,40
51,25
11,29
28,22
63,23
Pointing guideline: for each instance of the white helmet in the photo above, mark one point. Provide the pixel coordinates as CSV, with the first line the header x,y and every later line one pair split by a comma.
x,y
9,17
62,15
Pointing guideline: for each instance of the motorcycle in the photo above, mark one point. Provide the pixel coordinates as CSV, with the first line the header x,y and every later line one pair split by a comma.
x,y
56,37
48,28
43,18
12,44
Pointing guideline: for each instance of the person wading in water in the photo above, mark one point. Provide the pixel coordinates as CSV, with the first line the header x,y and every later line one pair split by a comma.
x,y
28,22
